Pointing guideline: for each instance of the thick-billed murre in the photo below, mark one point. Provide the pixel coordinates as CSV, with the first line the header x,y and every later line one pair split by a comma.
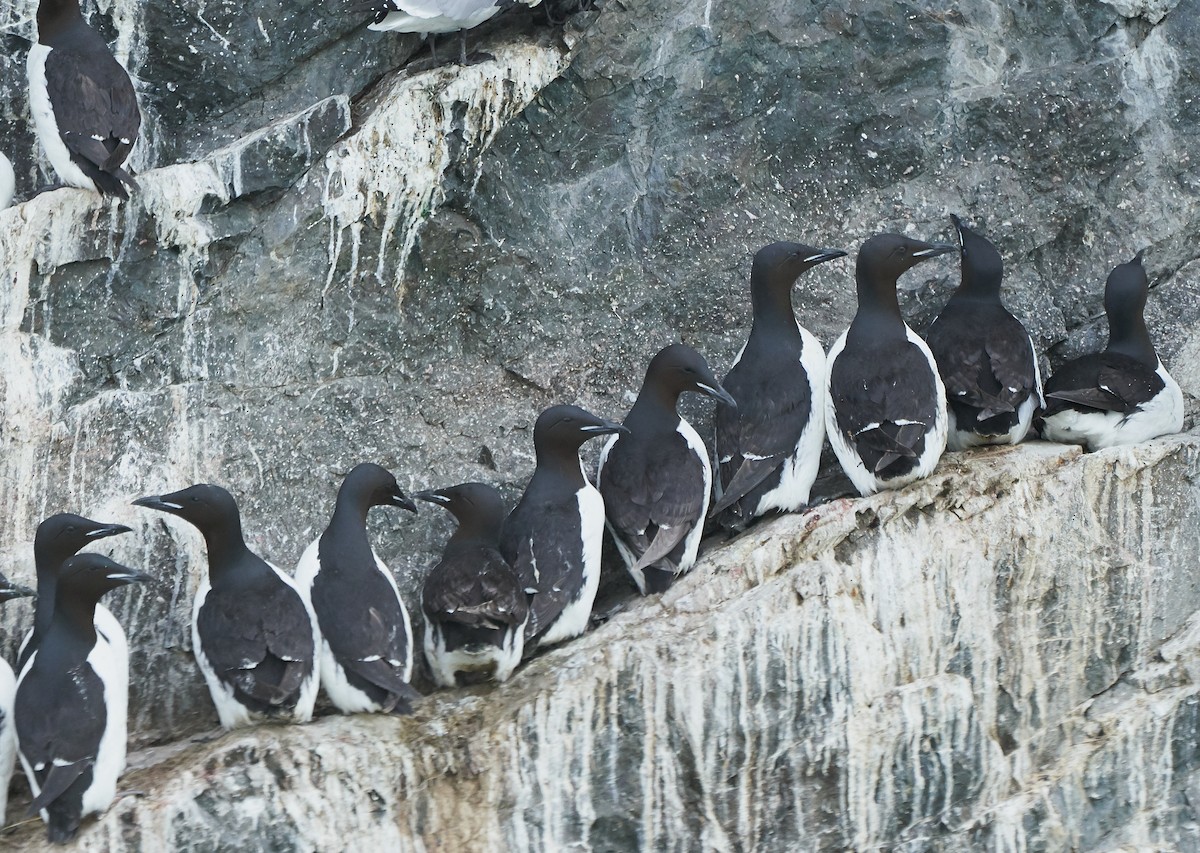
x,y
554,535
84,107
885,413
984,355
474,606
1123,394
254,636
71,745
656,477
768,446
366,652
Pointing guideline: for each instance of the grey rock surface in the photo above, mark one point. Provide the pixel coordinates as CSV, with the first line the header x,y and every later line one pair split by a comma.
x,y
828,681
334,261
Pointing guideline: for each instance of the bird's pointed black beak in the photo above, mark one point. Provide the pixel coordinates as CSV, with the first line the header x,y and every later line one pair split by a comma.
x,y
10,590
159,503
432,496
403,501
932,250
109,530
824,255
960,230
606,428
123,575
713,389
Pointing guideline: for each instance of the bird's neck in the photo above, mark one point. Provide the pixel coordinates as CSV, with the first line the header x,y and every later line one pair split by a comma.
x,y
75,619
474,533
978,287
655,409
226,547
349,515
344,543
878,317
1127,335
47,584
561,463
773,313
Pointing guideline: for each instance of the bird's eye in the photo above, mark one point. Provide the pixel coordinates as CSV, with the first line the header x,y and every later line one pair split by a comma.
x,y
195,499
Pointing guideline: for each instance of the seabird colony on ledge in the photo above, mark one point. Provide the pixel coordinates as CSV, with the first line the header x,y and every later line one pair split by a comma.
x,y
512,582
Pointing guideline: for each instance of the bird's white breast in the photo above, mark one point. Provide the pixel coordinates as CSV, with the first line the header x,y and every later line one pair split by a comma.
x,y
8,733
46,125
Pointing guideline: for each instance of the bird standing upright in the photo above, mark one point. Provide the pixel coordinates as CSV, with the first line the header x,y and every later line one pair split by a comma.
x,y
254,636
1122,395
474,606
84,108
655,477
984,355
366,649
71,747
57,538
554,535
768,446
885,413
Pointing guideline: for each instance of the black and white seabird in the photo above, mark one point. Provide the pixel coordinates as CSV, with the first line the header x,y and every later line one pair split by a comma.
x,y
984,355
8,691
366,651
84,108
71,744
8,182
431,17
768,447
254,636
553,537
655,477
1122,395
474,606
885,410
57,538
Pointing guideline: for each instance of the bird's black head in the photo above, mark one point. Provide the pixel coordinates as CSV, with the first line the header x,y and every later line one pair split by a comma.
x,y
373,485
982,266
206,506
888,256
477,503
1126,289
1125,304
64,534
678,369
10,590
780,264
566,428
89,576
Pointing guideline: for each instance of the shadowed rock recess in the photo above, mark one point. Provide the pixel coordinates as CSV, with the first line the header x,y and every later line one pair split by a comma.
x,y
332,262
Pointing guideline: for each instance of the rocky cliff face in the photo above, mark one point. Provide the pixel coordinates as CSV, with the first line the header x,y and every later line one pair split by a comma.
x,y
828,681
334,261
